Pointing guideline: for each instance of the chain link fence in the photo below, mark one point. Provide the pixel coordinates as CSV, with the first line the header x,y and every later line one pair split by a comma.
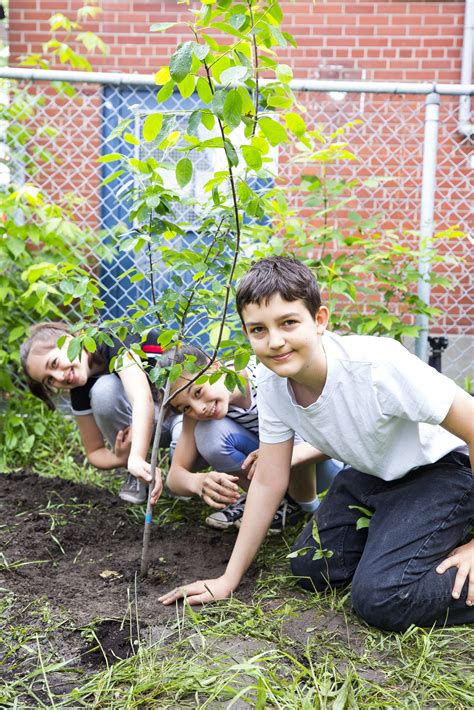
x,y
71,125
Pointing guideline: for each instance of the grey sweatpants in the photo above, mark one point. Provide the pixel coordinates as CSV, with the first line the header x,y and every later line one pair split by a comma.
x,y
112,411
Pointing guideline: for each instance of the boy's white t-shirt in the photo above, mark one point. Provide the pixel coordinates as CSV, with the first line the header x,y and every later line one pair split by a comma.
x,y
379,410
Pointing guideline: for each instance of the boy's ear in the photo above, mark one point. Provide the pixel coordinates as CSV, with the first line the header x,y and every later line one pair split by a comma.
x,y
321,319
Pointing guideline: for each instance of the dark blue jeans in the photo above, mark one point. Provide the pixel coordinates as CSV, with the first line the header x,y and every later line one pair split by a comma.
x,y
417,520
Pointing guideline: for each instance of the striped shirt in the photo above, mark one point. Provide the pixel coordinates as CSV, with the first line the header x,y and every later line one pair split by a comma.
x,y
248,418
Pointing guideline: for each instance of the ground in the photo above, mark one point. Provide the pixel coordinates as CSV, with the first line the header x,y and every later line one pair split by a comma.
x,y
80,628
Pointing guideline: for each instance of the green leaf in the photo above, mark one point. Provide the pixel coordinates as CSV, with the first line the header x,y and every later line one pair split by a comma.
x,y
184,171
295,123
186,87
161,26
152,126
201,51
89,344
16,333
130,138
274,131
181,61
111,177
241,360
194,122
279,102
232,109
175,372
252,157
218,101
214,334
284,73
162,76
230,151
165,92
110,158
234,75
204,90
74,349
208,120
238,20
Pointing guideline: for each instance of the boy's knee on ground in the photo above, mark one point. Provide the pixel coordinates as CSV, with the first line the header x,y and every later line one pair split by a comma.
x,y
312,574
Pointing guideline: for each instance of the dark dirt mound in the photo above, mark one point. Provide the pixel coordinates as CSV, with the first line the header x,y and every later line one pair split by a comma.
x,y
79,548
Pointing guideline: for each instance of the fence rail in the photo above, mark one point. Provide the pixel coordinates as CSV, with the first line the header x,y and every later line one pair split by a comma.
x,y
409,133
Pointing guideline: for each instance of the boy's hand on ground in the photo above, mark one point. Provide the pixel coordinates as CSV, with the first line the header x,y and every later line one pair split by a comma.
x,y
219,489
462,558
123,443
250,464
205,590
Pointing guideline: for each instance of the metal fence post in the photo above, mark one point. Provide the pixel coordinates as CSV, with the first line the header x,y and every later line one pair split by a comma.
x,y
430,148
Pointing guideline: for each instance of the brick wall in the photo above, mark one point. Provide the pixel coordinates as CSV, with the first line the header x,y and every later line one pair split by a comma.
x,y
386,40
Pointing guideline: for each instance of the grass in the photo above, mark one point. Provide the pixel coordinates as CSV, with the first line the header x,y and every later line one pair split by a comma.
x,y
287,649
231,652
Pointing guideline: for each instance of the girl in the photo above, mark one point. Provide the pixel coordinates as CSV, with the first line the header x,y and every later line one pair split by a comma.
x,y
220,429
115,408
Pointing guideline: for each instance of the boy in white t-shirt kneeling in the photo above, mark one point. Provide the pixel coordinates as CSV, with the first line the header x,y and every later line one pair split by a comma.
x,y
404,431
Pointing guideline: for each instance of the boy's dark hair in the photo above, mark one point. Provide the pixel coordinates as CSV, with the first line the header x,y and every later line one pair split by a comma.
x,y
284,275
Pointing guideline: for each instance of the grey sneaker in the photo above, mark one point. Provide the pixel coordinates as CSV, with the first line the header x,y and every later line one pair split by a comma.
x,y
134,490
228,516
288,513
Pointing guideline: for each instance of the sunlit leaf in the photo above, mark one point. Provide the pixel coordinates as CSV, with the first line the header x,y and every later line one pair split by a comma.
x,y
184,171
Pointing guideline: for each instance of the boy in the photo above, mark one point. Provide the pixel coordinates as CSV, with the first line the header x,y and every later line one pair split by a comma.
x,y
368,402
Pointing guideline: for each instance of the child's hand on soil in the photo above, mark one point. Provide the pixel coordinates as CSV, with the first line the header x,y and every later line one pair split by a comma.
x,y
462,558
205,590
123,443
250,463
219,489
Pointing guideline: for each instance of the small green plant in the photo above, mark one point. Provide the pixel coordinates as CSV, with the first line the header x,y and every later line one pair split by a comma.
x,y
319,552
364,520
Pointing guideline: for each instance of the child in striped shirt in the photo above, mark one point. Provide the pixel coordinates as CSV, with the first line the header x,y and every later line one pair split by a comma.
x,y
220,431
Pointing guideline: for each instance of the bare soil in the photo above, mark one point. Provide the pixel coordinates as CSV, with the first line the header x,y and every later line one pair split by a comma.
x,y
77,548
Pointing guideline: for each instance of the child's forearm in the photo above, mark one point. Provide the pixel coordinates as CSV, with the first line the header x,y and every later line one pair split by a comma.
x,y
105,459
183,482
142,426
263,500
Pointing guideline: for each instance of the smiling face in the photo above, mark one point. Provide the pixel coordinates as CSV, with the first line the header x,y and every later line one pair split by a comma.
x,y
52,367
286,338
202,402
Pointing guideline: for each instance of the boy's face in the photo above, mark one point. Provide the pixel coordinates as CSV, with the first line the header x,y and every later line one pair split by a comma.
x,y
204,401
285,336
